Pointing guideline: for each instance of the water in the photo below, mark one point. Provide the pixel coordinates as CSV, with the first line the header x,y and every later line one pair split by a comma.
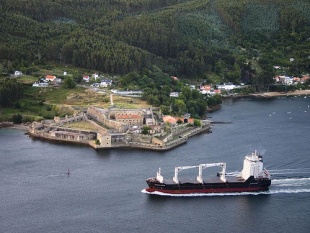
x,y
103,192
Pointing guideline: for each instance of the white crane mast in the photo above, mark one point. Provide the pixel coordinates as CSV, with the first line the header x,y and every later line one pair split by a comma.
x,y
176,172
203,166
200,168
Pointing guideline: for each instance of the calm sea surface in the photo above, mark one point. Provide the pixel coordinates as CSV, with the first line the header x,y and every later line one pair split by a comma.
x,y
103,192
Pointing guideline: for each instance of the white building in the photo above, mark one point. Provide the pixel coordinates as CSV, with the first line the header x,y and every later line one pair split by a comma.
x,y
106,83
174,94
226,86
17,73
43,84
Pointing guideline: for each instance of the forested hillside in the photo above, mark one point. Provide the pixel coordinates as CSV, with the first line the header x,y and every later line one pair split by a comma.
x,y
239,40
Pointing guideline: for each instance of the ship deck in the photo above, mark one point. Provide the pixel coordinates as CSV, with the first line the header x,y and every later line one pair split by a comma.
x,y
210,180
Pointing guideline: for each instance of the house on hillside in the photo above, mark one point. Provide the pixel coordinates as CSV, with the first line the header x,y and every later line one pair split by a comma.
x,y
40,84
105,83
174,94
52,79
226,86
286,80
207,89
204,89
192,87
86,78
95,76
304,78
17,73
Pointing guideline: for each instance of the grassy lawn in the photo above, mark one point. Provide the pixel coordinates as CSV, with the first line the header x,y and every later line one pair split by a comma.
x,y
39,103
46,102
128,102
213,78
27,79
81,125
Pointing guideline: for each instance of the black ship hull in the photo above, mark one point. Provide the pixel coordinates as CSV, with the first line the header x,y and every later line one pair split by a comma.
x,y
231,186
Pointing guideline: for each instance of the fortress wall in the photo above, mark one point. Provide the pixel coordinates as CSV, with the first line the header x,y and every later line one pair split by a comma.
x,y
141,138
75,118
104,139
101,116
122,111
157,141
178,129
99,128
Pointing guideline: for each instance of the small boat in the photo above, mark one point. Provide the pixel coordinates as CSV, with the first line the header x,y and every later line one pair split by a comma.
x,y
253,178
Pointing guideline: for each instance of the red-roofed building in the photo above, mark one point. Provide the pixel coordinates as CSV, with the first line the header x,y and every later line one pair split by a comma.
x,y
86,78
130,119
50,78
173,120
304,78
205,88
169,119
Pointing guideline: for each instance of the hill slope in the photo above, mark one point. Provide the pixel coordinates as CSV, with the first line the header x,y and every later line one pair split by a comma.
x,y
187,38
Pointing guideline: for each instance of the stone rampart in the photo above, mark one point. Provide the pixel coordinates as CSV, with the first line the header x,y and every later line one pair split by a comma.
x,y
98,127
125,111
61,134
101,116
67,119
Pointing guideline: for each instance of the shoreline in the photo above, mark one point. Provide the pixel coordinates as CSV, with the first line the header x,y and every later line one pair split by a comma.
x,y
136,145
26,126
276,94
23,127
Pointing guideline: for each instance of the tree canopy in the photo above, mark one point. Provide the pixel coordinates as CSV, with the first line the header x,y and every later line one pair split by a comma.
x,y
10,90
186,38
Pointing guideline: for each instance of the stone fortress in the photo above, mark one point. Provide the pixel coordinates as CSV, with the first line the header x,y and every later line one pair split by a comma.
x,y
119,127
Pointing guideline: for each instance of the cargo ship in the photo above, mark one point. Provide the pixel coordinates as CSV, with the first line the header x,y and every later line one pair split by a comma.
x,y
252,178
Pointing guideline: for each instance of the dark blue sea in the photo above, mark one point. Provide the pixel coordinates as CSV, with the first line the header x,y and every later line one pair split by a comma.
x,y
104,191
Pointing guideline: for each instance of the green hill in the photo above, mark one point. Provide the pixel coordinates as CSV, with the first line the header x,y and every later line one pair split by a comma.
x,y
187,38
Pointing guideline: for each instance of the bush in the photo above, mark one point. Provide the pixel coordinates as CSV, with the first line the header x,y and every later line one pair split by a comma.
x,y
197,122
27,119
69,83
38,118
47,114
17,118
145,130
18,106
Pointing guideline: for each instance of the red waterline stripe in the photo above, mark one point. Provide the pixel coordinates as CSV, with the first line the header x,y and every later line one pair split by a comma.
x,y
219,190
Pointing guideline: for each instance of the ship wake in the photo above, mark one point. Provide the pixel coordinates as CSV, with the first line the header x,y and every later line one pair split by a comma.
x,y
288,172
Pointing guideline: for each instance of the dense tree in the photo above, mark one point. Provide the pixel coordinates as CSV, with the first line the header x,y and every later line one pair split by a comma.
x,y
10,90
17,119
188,39
214,100
69,83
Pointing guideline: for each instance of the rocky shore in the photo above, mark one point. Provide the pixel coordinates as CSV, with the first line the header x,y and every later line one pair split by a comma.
x,y
24,127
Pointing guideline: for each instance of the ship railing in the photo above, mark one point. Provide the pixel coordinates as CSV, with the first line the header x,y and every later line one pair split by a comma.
x,y
266,173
